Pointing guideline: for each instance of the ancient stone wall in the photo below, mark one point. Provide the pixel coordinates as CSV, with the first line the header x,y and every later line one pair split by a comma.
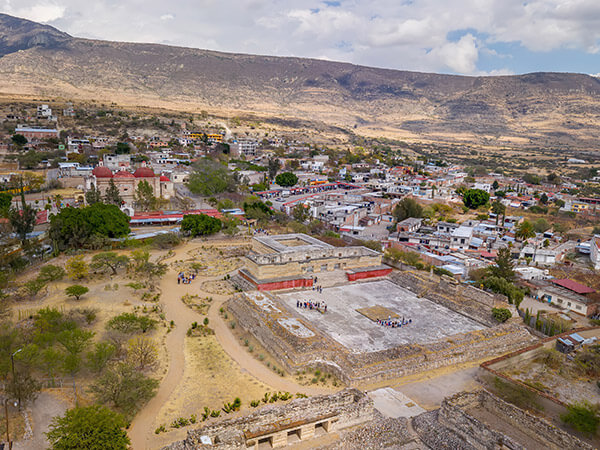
x,y
307,348
456,415
463,299
344,409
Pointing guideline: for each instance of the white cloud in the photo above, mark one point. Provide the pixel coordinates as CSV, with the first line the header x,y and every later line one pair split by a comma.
x,y
426,35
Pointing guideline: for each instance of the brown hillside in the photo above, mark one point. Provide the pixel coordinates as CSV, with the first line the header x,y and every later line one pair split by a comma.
x,y
546,109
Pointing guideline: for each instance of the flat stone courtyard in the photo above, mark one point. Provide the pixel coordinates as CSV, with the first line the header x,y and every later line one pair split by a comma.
x,y
358,333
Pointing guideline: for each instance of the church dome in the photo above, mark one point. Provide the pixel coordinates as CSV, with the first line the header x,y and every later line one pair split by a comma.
x,y
102,172
144,172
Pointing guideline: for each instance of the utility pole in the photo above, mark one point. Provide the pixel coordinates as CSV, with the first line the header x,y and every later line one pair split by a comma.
x,y
12,362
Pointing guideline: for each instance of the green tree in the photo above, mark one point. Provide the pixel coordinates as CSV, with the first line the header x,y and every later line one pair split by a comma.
x,y
5,202
19,140
582,416
210,178
541,225
301,213
544,199
525,230
504,267
474,198
98,358
77,227
125,388
92,428
498,209
112,195
122,148
93,195
257,210
286,179
77,268
109,260
144,196
22,220
273,167
407,207
200,225
51,273
76,291
74,342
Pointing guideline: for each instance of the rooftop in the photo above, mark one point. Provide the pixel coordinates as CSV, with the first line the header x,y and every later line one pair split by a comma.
x,y
574,286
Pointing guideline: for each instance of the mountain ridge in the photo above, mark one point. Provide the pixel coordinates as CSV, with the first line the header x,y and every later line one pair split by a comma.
x,y
516,109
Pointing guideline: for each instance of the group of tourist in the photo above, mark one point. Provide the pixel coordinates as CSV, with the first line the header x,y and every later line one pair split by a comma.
x,y
260,231
393,323
182,278
319,289
318,306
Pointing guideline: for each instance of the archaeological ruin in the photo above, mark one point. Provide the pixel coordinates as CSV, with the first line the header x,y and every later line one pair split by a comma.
x,y
292,260
449,324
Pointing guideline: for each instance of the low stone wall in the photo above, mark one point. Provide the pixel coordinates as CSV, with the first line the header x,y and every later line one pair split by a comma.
x,y
455,414
344,409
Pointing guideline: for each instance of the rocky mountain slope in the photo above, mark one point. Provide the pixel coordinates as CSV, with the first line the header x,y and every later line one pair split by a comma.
x,y
545,109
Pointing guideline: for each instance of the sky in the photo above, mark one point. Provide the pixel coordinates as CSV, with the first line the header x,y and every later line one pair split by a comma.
x,y
469,37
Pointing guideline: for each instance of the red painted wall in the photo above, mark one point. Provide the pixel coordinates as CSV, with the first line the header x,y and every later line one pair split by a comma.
x,y
368,274
287,284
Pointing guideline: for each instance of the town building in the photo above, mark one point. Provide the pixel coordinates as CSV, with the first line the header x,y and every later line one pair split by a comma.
x,y
595,252
244,147
570,295
33,133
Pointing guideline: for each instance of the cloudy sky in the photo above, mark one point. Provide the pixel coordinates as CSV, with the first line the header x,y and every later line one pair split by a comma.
x,y
461,36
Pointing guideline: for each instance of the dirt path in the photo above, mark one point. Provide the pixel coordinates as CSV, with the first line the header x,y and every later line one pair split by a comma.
x,y
45,407
141,431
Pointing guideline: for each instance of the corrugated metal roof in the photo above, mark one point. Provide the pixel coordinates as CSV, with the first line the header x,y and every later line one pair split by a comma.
x,y
574,286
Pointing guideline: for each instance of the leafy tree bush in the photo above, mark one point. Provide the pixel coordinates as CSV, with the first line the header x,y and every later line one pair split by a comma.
x,y
583,417
112,195
255,209
125,388
286,179
501,314
407,207
474,198
504,267
19,140
76,291
98,358
210,178
144,196
77,268
502,286
93,428
200,225
166,240
109,260
76,227
51,273
131,323
525,230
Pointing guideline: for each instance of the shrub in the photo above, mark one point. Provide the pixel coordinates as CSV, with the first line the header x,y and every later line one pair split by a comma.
x,y
501,314
131,323
51,273
583,417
